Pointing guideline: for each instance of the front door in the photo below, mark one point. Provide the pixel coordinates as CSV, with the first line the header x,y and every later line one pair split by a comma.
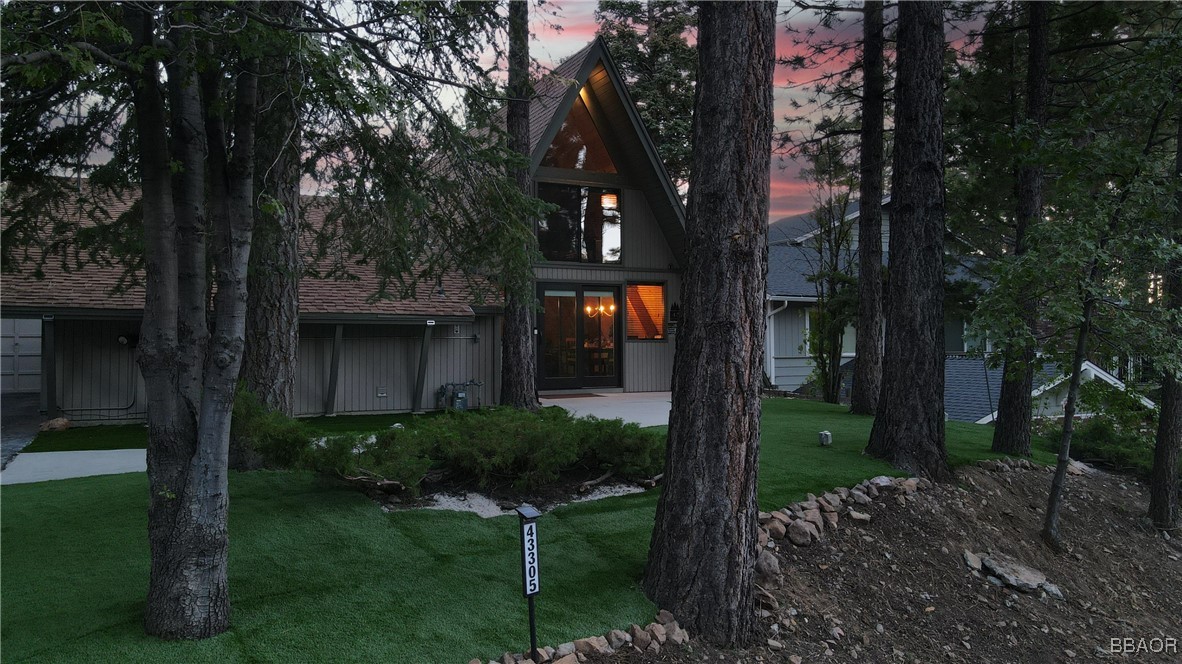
x,y
579,330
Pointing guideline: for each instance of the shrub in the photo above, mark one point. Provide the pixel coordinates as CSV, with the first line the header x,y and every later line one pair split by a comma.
x,y
501,444
395,454
260,436
623,448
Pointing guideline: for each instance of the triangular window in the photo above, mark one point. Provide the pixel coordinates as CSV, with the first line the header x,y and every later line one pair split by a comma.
x,y
578,144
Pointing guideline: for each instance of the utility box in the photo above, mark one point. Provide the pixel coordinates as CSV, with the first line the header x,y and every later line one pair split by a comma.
x,y
459,400
825,438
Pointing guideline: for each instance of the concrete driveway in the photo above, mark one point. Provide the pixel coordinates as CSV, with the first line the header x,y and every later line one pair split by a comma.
x,y
20,417
644,408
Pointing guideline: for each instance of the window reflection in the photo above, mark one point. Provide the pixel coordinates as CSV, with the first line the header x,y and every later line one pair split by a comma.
x,y
578,144
586,226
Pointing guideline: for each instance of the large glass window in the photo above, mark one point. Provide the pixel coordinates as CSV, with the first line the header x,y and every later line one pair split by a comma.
x,y
578,144
586,226
646,311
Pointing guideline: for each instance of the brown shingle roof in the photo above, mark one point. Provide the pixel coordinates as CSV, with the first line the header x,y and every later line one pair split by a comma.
x,y
92,287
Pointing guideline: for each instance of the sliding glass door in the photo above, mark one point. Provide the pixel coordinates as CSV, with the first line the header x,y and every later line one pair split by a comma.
x,y
579,333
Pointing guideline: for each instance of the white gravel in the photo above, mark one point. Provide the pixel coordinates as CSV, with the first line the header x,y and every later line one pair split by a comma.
x,y
486,507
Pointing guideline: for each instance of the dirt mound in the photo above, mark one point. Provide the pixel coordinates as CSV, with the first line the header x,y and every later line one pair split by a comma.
x,y
901,589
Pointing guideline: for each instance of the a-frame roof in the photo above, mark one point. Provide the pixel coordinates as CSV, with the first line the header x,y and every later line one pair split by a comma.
x,y
593,70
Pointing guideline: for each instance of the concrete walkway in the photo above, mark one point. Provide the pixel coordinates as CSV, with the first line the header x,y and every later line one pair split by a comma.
x,y
42,466
644,408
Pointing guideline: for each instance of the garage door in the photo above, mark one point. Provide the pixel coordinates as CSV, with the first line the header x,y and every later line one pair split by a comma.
x,y
20,355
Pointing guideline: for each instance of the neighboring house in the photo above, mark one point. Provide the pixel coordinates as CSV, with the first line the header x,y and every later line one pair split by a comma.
x,y
791,298
608,288
971,390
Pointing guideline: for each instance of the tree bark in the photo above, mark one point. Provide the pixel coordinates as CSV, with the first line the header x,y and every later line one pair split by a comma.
x,y
908,426
272,325
868,342
702,556
518,359
1011,433
1163,482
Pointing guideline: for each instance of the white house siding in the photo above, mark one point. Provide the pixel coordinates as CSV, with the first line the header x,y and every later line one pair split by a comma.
x,y
97,377
384,359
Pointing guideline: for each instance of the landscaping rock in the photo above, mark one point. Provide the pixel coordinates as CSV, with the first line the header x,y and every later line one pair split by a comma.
x,y
830,520
664,617
767,566
564,649
881,482
640,638
764,517
593,645
798,533
1014,573
657,631
972,560
776,529
781,516
762,536
618,639
677,635
827,506
859,516
56,424
773,644
567,659
813,516
860,498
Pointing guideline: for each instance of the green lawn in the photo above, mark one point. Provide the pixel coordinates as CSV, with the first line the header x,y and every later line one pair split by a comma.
x,y
318,572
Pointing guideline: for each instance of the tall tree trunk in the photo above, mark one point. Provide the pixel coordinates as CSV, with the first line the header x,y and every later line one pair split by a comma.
x,y
187,595
272,324
1011,433
1163,483
908,426
702,554
519,387
868,342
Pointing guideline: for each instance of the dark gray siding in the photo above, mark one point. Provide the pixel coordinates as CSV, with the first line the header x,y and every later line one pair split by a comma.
x,y
98,379
384,359
645,258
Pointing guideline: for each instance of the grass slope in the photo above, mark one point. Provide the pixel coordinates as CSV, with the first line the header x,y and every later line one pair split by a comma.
x,y
318,572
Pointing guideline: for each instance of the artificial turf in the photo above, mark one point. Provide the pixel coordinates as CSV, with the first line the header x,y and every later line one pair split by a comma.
x,y
319,572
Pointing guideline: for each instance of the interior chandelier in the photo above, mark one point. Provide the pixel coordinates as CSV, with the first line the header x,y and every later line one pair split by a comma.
x,y
592,312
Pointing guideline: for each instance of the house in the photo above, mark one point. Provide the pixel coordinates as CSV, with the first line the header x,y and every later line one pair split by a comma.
x,y
971,387
608,288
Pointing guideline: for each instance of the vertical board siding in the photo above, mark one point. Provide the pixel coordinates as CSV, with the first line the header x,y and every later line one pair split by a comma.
x,y
98,379
790,365
644,244
387,356
789,331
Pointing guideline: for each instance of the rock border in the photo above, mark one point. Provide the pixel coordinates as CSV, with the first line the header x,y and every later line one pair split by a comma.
x,y
663,631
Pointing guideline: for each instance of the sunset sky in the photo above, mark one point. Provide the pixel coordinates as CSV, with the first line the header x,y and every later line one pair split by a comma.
x,y
790,195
